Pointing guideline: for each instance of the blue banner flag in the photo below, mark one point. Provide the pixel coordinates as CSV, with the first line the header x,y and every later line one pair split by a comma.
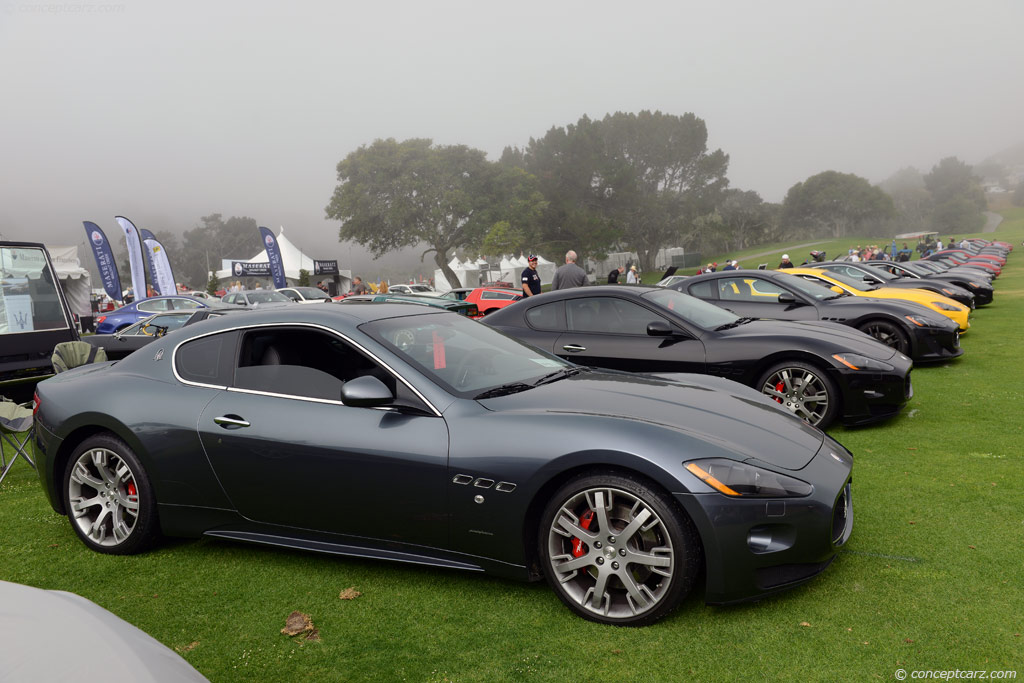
x,y
104,260
274,257
159,265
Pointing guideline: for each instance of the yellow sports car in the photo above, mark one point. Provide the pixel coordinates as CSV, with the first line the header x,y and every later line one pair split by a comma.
x,y
837,281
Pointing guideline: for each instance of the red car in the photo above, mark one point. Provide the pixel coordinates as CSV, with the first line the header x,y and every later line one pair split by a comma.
x,y
487,299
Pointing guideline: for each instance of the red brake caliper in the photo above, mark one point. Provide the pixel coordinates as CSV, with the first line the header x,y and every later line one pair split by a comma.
x,y
780,387
577,545
131,488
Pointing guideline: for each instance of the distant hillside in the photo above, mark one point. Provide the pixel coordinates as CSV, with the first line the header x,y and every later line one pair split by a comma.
x,y
1009,157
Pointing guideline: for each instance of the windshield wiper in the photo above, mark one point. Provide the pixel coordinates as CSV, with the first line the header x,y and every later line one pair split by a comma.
x,y
557,375
735,323
503,390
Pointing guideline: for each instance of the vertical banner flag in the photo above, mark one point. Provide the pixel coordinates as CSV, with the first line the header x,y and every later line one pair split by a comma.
x,y
159,265
131,238
104,260
274,257
147,256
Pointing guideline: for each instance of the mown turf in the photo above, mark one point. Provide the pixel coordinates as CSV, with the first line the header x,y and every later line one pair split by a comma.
x,y
931,579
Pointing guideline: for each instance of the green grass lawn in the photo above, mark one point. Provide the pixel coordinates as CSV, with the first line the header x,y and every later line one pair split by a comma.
x,y
931,579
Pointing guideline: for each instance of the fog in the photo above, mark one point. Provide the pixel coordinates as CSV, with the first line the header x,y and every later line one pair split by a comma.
x,y
168,112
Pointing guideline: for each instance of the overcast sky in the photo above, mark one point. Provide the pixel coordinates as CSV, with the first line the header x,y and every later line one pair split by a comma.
x,y
165,112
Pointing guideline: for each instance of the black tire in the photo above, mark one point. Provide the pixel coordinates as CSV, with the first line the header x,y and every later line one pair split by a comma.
x,y
619,546
888,333
108,497
790,384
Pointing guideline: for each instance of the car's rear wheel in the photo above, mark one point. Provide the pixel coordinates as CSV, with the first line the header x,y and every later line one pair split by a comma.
x,y
887,333
802,389
616,550
108,497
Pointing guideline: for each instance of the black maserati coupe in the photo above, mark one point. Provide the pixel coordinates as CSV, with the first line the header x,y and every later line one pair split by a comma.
x,y
910,328
819,371
407,433
912,271
874,276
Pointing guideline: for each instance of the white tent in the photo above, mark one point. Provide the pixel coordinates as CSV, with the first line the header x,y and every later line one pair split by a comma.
x,y
74,279
294,261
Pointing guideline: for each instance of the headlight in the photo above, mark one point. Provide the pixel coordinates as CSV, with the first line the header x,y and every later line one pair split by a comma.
x,y
855,361
740,480
922,321
946,307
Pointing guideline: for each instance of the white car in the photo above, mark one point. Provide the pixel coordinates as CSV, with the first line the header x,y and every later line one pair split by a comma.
x,y
305,295
412,289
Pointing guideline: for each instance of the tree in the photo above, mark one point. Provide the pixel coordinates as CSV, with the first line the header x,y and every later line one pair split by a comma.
x,y
835,204
399,194
957,195
214,239
746,218
911,199
303,277
212,284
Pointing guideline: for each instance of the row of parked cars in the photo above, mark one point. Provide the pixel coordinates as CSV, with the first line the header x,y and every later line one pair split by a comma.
x,y
598,443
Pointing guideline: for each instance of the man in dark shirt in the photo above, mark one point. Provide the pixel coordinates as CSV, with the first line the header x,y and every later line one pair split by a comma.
x,y
358,287
786,263
531,278
613,277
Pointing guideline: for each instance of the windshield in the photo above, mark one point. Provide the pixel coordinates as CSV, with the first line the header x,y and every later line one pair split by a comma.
x,y
263,296
700,313
816,290
461,355
312,293
851,282
28,297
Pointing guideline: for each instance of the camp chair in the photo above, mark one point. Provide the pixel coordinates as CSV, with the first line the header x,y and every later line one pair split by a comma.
x,y
14,420
71,354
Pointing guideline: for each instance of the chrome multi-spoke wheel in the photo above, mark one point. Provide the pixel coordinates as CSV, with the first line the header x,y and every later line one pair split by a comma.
x,y
803,390
108,498
617,551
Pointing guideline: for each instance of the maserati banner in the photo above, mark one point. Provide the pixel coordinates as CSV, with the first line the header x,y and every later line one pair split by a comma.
x,y
104,260
274,257
131,238
325,267
159,266
250,268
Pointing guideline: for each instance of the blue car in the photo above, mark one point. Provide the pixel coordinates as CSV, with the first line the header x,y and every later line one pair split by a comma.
x,y
134,312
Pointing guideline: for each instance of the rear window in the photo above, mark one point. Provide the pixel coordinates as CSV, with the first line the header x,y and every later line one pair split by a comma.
x,y
28,296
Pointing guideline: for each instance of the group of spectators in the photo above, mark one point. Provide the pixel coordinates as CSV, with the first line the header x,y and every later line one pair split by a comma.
x,y
568,275
713,267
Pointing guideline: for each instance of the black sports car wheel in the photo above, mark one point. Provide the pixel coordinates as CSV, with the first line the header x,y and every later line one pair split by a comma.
x,y
108,497
887,333
617,551
803,389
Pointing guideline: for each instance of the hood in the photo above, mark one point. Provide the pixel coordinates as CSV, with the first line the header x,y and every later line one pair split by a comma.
x,y
720,412
842,337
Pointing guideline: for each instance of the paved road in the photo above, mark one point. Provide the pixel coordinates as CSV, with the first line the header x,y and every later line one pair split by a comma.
x,y
992,221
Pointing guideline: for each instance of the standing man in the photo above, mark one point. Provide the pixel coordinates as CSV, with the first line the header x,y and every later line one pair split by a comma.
x,y
357,286
632,278
786,263
569,275
613,277
531,278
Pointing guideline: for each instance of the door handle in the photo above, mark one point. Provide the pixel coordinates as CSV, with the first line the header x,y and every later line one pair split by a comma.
x,y
230,421
574,348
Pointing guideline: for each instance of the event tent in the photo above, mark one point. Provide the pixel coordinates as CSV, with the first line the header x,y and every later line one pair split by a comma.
x,y
74,279
294,261
470,271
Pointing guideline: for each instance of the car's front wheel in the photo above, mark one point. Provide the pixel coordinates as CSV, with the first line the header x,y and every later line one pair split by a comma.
x,y
108,497
887,333
802,389
616,550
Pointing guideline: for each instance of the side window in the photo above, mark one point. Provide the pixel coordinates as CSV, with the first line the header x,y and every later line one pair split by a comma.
x,y
733,289
608,315
702,290
207,360
308,363
153,305
548,317
764,290
185,304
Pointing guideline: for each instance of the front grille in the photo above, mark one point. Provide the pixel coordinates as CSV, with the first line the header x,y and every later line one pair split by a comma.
x,y
842,517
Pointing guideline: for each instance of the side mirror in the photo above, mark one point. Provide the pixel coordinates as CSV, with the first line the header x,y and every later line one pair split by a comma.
x,y
787,298
659,328
366,392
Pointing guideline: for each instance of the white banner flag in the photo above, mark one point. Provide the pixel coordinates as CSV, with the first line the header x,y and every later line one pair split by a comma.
x,y
134,242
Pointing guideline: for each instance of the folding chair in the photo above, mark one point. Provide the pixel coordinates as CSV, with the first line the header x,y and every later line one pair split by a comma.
x,y
71,354
15,420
